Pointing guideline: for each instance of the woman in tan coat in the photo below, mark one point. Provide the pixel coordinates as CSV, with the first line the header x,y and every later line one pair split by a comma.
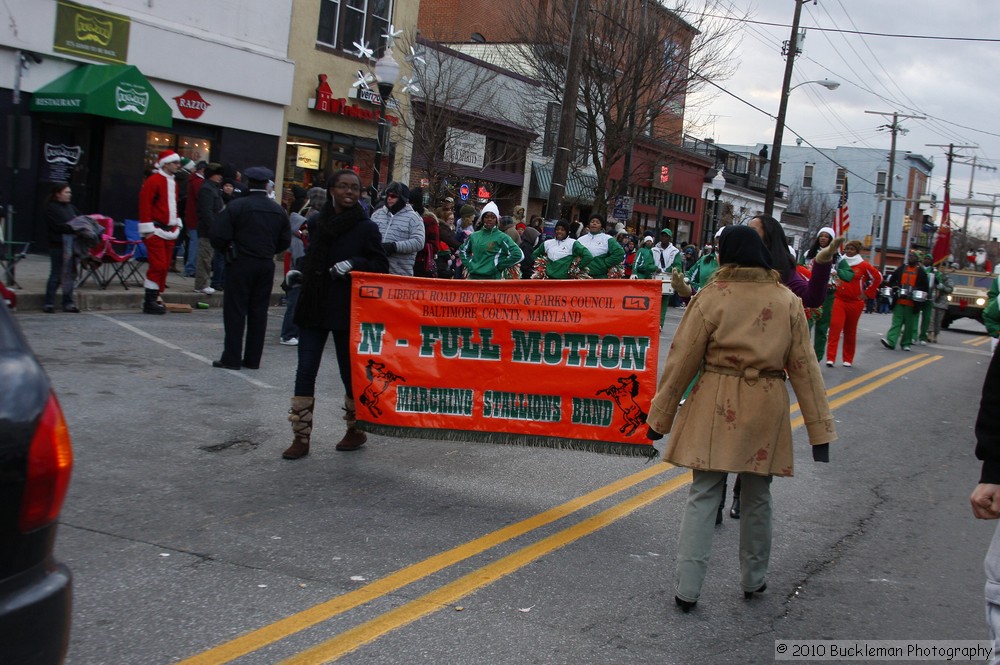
x,y
743,331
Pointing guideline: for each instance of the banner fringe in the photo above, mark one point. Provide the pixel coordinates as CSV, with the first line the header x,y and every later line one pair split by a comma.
x,y
507,438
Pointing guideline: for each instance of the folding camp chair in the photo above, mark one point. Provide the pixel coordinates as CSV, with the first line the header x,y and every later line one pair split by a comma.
x,y
110,259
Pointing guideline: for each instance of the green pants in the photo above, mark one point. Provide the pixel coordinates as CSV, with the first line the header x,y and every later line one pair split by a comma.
x,y
903,319
926,312
822,327
664,302
698,527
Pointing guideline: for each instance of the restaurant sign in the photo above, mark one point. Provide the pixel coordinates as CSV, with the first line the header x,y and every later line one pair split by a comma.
x,y
91,33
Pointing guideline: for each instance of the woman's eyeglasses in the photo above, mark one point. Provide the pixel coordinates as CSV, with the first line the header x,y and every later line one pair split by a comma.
x,y
345,187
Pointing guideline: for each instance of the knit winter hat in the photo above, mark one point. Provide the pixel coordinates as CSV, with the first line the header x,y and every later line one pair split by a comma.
x,y
166,157
491,207
466,210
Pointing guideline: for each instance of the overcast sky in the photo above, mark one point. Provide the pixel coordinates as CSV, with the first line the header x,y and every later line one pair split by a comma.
x,y
956,84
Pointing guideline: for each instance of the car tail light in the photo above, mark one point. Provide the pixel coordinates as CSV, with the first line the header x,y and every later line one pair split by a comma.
x,y
50,461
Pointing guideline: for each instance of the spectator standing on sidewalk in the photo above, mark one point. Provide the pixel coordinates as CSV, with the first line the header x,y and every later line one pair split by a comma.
x,y
62,259
401,227
207,207
191,217
315,200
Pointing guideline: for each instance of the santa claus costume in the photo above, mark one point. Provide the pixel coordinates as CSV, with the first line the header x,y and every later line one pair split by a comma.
x,y
159,225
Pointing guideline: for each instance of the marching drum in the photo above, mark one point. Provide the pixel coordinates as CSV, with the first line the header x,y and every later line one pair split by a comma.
x,y
919,296
904,293
666,288
885,291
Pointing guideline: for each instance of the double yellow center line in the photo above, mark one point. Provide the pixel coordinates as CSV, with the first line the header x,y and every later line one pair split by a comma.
x,y
443,596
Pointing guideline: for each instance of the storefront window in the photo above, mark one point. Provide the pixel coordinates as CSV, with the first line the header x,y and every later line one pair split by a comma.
x,y
194,148
304,162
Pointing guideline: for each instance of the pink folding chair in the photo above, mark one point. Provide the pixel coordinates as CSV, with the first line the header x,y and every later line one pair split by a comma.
x,y
111,259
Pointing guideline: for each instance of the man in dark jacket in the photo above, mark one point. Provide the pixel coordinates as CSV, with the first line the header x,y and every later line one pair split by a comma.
x,y
207,207
985,497
250,231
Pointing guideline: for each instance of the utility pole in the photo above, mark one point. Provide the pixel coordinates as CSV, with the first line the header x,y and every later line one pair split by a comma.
x,y
895,129
567,114
972,177
779,124
947,178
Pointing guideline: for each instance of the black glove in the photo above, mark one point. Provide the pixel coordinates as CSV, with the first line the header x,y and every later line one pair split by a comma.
x,y
389,248
652,434
821,453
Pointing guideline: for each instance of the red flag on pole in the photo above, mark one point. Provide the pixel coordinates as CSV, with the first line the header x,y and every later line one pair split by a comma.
x,y
841,217
942,246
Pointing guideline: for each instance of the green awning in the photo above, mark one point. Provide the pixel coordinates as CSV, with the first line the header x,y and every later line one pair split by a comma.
x,y
580,186
113,91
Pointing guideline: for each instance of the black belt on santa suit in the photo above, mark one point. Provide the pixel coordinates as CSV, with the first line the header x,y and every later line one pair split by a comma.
x,y
749,374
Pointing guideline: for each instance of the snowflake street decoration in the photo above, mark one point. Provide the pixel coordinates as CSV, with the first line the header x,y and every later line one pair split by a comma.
x,y
411,85
363,51
363,81
416,56
390,35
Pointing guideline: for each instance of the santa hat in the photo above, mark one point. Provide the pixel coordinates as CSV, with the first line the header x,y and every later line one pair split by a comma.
x,y
166,157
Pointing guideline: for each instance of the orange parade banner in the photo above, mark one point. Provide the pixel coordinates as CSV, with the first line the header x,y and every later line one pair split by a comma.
x,y
555,363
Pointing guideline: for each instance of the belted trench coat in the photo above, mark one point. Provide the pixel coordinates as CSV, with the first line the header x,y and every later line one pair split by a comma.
x,y
742,331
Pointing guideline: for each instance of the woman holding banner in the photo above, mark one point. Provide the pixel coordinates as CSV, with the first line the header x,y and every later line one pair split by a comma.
x,y
743,331
341,239
561,257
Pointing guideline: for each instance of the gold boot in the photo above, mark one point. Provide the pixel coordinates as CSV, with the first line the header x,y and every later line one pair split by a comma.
x,y
353,438
301,417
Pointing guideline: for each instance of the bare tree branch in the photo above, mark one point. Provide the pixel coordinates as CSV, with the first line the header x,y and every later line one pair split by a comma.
x,y
460,99
640,63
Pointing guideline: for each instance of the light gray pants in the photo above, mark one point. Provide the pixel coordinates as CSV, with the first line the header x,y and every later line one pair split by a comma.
x,y
992,567
698,526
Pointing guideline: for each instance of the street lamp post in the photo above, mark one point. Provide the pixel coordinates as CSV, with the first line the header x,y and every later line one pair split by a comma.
x,y
386,75
718,185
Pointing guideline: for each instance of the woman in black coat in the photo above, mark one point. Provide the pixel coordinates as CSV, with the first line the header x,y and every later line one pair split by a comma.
x,y
341,239
58,211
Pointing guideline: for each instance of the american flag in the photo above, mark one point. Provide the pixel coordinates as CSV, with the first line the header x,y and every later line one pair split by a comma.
x,y
841,217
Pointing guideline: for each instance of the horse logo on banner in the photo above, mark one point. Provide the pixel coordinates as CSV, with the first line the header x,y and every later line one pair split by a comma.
x,y
624,396
381,380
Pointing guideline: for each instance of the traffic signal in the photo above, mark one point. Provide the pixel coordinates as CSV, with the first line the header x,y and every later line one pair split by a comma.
x,y
907,220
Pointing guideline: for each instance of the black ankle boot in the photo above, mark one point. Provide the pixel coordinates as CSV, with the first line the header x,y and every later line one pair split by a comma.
x,y
685,605
734,512
747,595
150,306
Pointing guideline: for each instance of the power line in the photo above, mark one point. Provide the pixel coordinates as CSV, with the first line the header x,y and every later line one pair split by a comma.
x,y
853,32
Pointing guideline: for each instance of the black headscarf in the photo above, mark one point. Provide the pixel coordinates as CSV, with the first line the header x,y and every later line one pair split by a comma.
x,y
740,245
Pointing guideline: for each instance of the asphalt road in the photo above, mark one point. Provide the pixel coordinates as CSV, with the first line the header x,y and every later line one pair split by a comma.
x,y
190,538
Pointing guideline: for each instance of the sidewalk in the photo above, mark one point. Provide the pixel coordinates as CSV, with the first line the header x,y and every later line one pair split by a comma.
x,y
32,273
